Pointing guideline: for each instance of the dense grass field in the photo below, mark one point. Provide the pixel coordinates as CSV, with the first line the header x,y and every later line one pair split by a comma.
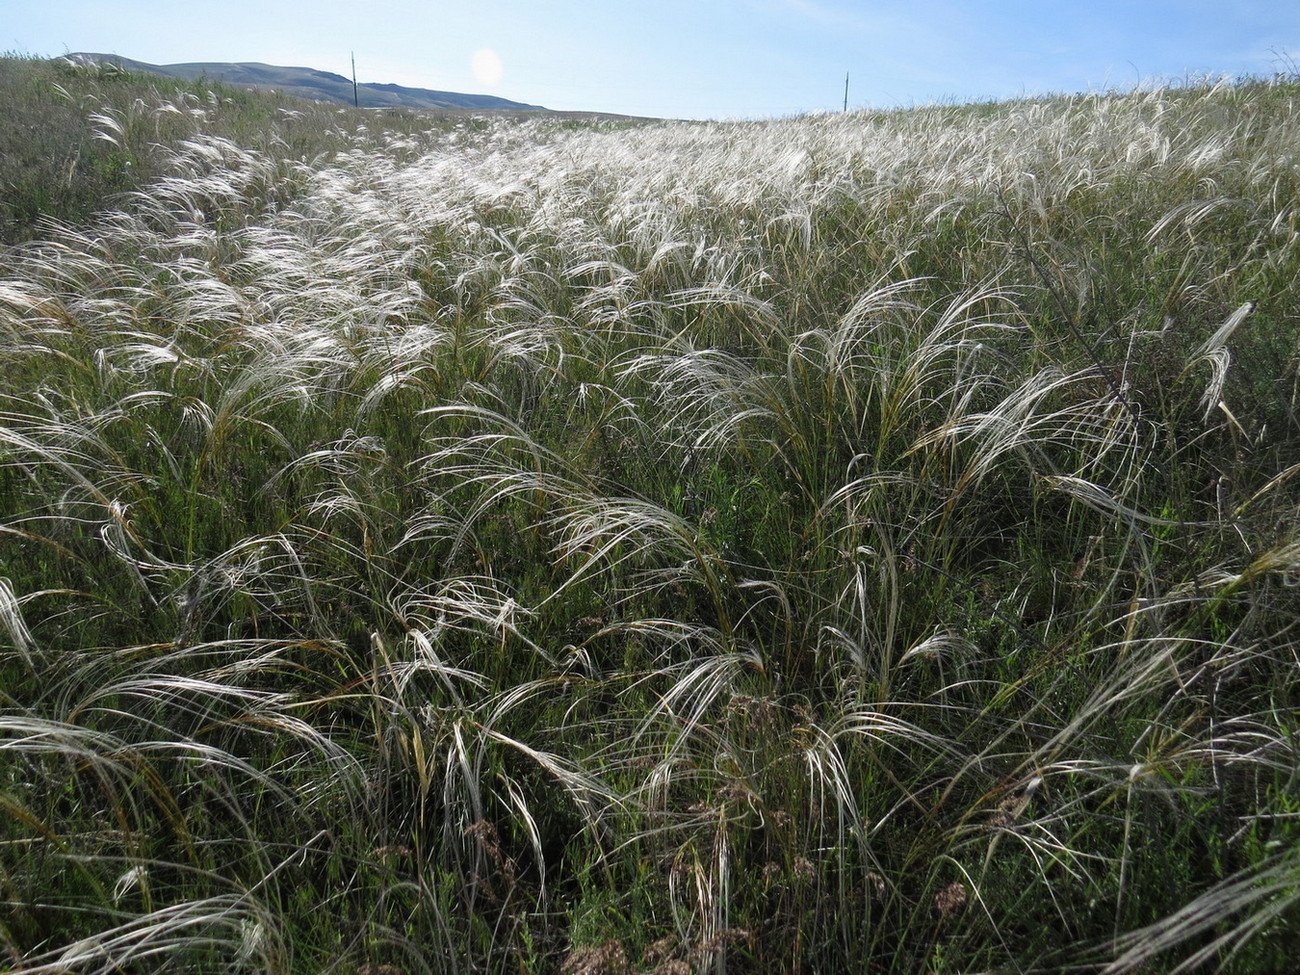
x,y
858,543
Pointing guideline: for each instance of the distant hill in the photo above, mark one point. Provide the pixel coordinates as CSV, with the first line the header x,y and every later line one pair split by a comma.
x,y
311,83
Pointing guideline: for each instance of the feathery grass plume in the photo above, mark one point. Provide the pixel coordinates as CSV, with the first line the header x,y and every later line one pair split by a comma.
x,y
1215,353
1266,891
20,638
225,930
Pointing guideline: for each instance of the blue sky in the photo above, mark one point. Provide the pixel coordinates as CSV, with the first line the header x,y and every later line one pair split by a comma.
x,y
694,58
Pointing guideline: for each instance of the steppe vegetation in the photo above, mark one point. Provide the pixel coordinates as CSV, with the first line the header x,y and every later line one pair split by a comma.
x,y
858,543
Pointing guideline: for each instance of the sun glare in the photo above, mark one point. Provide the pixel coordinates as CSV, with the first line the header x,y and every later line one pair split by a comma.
x,y
486,66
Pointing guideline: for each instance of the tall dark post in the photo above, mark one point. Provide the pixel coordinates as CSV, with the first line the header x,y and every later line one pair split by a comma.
x,y
846,91
356,101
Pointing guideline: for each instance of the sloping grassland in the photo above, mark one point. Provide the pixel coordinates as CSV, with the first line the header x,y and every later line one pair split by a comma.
x,y
857,543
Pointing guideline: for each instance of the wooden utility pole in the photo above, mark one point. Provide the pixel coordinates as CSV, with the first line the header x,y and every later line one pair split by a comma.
x,y
356,101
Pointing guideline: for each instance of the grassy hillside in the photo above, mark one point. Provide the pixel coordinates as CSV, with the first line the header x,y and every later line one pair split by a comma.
x,y
854,543
77,135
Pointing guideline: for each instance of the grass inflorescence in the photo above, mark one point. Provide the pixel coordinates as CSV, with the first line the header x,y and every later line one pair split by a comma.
x,y
853,543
